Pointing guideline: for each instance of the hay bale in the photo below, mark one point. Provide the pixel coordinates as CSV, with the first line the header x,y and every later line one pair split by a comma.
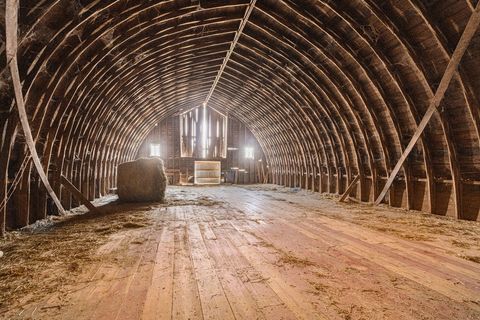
x,y
141,180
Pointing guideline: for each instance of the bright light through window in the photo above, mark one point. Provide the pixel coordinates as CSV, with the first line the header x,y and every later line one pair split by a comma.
x,y
154,150
204,132
249,153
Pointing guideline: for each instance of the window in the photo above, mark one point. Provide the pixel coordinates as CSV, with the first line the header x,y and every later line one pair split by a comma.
x,y
154,150
203,133
249,154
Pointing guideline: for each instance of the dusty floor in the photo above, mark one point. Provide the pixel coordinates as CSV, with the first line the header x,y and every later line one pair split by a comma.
x,y
259,252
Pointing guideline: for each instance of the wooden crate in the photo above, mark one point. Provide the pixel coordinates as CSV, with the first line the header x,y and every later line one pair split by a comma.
x,y
207,172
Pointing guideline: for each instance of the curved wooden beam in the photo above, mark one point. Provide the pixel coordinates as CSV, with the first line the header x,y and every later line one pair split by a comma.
x,y
450,71
11,23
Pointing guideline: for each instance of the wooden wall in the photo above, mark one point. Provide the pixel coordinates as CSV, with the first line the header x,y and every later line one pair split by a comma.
x,y
167,134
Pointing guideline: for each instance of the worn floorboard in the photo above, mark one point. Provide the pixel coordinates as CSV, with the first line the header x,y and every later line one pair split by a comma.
x,y
253,253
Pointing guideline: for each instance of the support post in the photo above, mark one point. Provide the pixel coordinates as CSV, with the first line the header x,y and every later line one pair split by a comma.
x,y
457,56
11,27
349,188
77,194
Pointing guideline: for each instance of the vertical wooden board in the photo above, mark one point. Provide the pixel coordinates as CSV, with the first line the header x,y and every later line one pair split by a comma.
x,y
186,300
77,194
87,299
323,182
165,215
140,282
243,303
22,195
367,190
179,213
215,304
159,299
113,304
398,194
249,295
288,295
191,213
388,259
420,196
471,207
207,231
445,203
350,187
381,184
263,295
34,200
233,280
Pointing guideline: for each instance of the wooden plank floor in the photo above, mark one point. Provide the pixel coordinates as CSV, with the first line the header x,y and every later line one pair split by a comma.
x,y
243,253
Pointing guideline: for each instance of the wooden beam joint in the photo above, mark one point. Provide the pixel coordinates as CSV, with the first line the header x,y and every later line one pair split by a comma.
x,y
349,188
450,71
77,194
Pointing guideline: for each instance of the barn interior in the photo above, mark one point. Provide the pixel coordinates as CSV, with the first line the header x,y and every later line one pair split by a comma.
x,y
322,159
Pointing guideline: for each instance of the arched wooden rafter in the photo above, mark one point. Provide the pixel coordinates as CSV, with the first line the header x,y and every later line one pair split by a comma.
x,y
331,89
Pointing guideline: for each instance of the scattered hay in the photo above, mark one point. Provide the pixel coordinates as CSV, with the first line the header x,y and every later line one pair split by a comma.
x,y
133,225
475,259
265,244
251,276
321,274
74,266
51,254
319,288
351,270
207,202
45,257
287,258
138,241
461,244
261,187
415,237
347,314
384,229
191,200
370,291
410,225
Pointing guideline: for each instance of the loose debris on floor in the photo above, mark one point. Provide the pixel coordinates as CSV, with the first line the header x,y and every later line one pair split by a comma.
x,y
40,258
411,225
254,252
